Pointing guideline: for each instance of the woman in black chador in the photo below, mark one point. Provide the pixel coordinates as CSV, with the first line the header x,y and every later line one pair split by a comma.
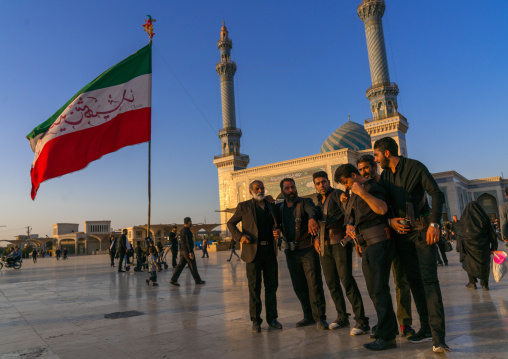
x,y
475,240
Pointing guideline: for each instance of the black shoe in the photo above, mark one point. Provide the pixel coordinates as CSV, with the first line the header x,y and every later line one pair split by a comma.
x,y
407,330
304,322
120,271
471,286
485,288
229,260
256,327
201,282
148,282
446,264
275,324
322,324
176,284
380,344
423,335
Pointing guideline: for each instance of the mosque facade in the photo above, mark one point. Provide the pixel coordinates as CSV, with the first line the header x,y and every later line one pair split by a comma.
x,y
345,145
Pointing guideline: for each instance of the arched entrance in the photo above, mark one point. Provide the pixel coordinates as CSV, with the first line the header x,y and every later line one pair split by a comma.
x,y
69,244
489,205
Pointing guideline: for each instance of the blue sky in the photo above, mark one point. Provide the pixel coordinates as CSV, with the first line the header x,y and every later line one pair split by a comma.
x,y
302,68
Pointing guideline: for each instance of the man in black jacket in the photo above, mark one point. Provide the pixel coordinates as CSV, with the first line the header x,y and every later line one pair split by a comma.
x,y
298,218
259,250
122,249
417,231
337,260
173,238
186,255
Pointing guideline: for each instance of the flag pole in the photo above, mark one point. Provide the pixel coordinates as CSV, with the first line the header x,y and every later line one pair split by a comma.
x,y
148,26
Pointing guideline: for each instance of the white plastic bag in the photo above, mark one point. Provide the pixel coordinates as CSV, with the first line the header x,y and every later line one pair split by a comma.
x,y
498,265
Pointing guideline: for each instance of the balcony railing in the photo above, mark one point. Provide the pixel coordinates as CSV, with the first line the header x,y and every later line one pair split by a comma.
x,y
383,84
241,155
382,117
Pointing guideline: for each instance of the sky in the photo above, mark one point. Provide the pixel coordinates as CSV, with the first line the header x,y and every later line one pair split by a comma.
x,y
302,68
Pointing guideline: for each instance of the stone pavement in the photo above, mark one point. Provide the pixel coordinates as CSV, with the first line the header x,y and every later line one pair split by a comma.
x,y
56,309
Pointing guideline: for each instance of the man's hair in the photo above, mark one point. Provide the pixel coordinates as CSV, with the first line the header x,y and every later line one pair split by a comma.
x,y
345,171
387,144
319,174
138,243
124,230
287,179
255,181
152,249
367,159
174,227
186,220
506,191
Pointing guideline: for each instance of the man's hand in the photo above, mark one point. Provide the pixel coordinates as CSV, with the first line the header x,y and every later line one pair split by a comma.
x,y
397,227
313,227
357,188
191,256
245,239
317,246
344,197
432,235
350,231
269,199
276,234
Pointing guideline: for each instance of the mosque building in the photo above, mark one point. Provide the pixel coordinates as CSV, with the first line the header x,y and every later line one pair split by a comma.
x,y
345,145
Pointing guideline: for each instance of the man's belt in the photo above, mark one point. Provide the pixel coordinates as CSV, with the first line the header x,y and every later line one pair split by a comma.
x,y
263,243
375,234
304,243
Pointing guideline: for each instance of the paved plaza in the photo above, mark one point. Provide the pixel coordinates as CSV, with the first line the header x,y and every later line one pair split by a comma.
x,y
57,309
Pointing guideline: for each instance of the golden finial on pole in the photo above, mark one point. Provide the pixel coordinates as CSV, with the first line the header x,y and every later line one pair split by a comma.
x,y
148,26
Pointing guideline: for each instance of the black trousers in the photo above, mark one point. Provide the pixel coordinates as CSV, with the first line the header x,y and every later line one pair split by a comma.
x,y
185,260
305,273
440,247
376,264
402,292
264,268
473,279
205,252
175,256
420,265
112,254
337,263
121,258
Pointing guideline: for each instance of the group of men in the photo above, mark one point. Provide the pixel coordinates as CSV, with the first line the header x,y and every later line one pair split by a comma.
x,y
385,218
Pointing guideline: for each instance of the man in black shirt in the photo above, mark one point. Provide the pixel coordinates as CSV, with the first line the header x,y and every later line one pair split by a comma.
x,y
173,239
298,217
418,230
187,255
367,167
258,236
337,260
366,209
112,248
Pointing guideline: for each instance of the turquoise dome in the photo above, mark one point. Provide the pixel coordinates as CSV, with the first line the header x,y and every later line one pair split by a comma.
x,y
350,135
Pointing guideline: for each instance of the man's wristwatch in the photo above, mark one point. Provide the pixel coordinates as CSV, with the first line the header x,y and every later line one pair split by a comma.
x,y
435,225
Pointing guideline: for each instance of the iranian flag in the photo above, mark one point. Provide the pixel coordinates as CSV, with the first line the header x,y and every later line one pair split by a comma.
x,y
111,112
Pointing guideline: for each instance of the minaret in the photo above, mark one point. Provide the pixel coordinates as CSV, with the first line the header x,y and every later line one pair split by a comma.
x,y
231,159
386,121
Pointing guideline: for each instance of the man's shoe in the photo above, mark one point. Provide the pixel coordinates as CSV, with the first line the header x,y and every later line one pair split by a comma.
x,y
275,324
423,335
121,271
155,284
176,284
485,288
471,286
380,344
407,330
238,260
339,323
446,264
322,324
304,322
147,282
440,264
202,282
256,327
441,348
229,260
127,268
360,329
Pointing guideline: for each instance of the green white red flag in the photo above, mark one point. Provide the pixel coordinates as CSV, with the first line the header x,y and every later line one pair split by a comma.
x,y
111,112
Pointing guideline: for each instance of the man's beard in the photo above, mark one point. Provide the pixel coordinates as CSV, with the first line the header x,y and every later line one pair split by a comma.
x,y
384,163
258,196
292,197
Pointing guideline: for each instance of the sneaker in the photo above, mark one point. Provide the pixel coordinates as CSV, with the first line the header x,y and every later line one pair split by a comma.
x,y
359,329
322,325
471,286
339,323
407,330
423,335
441,348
